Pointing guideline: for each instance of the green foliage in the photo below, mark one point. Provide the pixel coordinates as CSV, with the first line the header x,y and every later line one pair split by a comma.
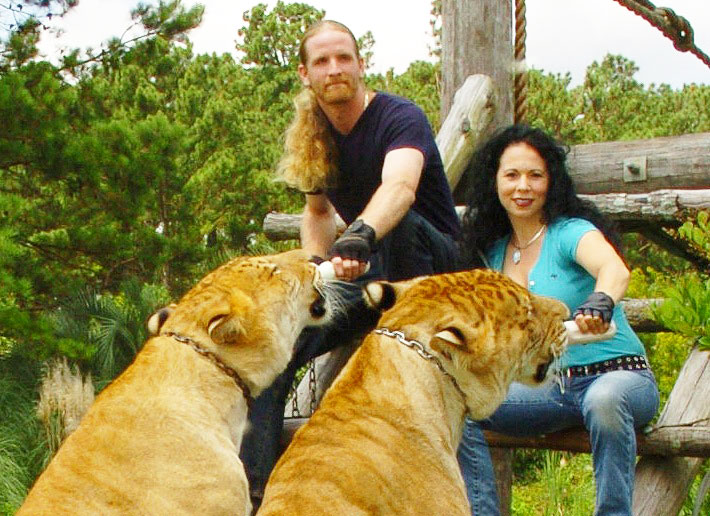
x,y
559,483
642,253
110,329
420,83
697,233
611,105
22,451
687,306
21,23
271,39
687,309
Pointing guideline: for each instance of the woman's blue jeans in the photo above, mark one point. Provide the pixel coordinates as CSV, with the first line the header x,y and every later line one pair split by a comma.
x,y
610,406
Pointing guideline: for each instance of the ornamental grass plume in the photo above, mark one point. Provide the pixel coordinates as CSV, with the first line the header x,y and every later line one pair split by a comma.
x,y
64,397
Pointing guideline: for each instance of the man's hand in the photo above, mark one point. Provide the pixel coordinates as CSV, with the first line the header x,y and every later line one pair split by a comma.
x,y
594,315
350,253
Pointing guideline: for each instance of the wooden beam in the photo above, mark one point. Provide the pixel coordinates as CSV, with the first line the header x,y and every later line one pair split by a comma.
x,y
476,38
686,441
633,212
662,484
661,207
691,441
467,121
668,162
638,313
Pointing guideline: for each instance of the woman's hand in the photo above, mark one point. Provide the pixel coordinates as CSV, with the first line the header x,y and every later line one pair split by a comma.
x,y
594,315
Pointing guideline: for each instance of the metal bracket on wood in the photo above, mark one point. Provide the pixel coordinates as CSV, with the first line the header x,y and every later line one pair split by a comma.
x,y
635,169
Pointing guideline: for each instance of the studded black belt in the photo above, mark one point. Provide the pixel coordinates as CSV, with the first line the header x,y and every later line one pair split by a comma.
x,y
626,363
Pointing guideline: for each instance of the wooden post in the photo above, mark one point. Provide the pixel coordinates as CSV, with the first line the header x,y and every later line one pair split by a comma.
x,y
662,483
477,38
467,121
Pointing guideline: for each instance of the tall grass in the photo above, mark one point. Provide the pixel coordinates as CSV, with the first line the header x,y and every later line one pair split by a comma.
x,y
64,397
23,451
560,484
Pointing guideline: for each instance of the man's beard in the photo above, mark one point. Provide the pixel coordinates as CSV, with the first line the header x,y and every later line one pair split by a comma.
x,y
338,91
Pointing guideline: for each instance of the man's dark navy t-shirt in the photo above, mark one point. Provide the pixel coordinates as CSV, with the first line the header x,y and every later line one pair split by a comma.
x,y
391,122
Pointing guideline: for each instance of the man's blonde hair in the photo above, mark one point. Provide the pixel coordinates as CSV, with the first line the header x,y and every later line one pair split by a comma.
x,y
309,159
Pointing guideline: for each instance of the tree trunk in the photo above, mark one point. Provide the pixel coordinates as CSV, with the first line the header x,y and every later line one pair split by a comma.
x,y
477,38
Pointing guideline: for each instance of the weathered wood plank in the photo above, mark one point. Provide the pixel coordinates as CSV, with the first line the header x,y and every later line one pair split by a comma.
x,y
651,208
691,441
476,38
662,484
631,211
468,119
671,162
285,226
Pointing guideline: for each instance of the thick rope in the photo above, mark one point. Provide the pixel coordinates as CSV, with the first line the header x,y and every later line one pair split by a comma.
x,y
674,27
520,81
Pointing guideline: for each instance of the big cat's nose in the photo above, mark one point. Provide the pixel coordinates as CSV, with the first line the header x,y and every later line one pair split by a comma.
x,y
318,307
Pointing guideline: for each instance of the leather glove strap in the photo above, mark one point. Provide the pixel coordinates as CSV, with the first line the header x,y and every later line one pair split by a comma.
x,y
597,304
316,259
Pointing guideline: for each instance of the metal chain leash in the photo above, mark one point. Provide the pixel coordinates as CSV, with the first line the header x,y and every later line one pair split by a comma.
x,y
294,400
674,27
312,387
312,383
422,352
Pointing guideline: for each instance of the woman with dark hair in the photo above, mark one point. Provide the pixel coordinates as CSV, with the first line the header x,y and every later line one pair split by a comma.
x,y
525,220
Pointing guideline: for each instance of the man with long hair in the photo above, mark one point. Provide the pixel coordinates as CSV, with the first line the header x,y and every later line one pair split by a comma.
x,y
371,158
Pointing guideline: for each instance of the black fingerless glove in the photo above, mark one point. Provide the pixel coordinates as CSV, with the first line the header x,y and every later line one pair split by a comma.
x,y
597,304
356,243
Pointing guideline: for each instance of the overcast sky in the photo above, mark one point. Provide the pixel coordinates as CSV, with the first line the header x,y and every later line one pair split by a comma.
x,y
562,35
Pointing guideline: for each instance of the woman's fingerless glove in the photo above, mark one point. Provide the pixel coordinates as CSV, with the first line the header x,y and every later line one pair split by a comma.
x,y
356,243
597,304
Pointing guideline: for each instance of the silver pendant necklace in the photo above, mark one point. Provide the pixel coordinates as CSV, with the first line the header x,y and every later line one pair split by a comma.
x,y
516,253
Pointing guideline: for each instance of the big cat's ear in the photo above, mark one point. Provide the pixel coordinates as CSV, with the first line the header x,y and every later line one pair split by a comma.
x,y
452,335
380,295
156,321
225,323
461,337
225,329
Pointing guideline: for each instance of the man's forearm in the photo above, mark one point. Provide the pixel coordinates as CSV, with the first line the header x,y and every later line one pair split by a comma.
x,y
387,208
317,233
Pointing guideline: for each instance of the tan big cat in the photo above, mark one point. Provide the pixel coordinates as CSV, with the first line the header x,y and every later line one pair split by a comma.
x,y
384,438
164,437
